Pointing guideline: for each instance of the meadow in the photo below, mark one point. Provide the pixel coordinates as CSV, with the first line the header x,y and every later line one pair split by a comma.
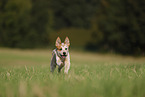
x,y
26,73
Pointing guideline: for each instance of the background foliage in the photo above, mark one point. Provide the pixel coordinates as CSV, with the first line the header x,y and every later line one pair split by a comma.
x,y
113,25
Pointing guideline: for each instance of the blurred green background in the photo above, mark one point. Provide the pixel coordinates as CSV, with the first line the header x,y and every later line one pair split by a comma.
x,y
97,25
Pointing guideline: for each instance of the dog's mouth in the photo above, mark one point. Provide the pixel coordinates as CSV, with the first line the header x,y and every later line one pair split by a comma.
x,y
63,56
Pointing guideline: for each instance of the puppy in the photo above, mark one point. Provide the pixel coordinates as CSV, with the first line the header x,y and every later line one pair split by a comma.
x,y
60,56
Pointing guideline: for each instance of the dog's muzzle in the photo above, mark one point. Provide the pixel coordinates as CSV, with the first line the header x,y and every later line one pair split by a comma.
x,y
64,55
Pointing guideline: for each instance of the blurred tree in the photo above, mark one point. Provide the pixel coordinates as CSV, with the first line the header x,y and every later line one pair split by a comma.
x,y
120,27
115,25
73,13
14,21
40,23
24,23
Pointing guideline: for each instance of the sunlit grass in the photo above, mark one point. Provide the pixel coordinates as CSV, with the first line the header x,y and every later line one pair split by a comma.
x,y
26,73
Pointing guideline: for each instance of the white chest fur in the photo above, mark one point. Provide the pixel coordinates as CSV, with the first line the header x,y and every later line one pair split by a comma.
x,y
66,63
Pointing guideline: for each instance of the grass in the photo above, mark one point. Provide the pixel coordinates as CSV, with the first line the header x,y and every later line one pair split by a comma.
x,y
26,73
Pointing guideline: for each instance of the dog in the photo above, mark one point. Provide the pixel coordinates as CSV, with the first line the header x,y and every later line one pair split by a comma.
x,y
60,56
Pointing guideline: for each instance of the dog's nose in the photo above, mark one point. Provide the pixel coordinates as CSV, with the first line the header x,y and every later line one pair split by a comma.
x,y
64,53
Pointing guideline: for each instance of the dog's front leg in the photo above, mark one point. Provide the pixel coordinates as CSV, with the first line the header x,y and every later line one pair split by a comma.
x,y
59,63
67,65
60,67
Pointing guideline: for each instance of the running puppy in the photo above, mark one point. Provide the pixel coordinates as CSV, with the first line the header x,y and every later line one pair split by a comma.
x,y
60,56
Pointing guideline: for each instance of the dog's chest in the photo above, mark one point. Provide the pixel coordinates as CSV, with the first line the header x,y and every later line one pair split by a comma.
x,y
58,61
61,62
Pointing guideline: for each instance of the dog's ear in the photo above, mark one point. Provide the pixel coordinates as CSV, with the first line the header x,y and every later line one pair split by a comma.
x,y
67,41
58,42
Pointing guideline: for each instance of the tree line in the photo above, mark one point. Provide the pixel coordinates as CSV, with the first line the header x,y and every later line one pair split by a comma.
x,y
115,25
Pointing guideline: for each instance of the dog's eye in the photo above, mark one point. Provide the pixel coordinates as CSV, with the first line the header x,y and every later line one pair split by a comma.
x,y
60,49
65,48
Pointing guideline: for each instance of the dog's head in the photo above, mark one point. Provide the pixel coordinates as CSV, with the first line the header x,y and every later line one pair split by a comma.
x,y
62,48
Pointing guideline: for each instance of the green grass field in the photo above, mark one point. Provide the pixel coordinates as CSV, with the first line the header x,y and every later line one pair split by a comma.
x,y
26,73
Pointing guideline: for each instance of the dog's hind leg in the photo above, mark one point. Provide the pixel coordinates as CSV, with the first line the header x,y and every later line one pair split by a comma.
x,y
53,63
52,67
